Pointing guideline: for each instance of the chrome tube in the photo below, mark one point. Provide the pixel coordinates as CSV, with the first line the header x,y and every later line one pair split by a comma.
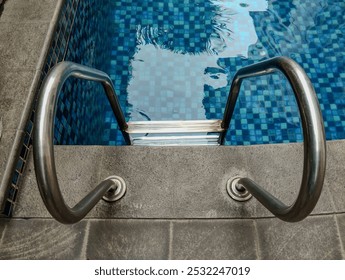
x,y
44,159
314,163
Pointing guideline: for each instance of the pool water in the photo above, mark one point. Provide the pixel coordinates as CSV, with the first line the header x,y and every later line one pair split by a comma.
x,y
174,60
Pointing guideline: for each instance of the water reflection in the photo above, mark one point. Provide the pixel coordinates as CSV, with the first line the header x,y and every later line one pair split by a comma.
x,y
167,81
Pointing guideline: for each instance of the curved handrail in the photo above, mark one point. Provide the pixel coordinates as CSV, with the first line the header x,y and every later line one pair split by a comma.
x,y
314,164
43,141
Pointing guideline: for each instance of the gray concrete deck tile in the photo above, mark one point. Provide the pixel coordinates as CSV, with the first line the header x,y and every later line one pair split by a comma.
x,y
214,239
23,42
341,223
335,176
14,89
279,169
29,10
128,239
77,172
199,182
147,173
314,238
181,182
41,239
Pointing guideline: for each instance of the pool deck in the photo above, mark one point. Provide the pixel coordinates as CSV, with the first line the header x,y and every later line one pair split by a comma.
x,y
176,206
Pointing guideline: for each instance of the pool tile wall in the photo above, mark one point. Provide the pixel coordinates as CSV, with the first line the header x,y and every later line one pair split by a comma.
x,y
80,37
82,104
309,33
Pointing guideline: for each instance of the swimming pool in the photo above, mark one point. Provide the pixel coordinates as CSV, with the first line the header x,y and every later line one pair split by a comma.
x,y
174,60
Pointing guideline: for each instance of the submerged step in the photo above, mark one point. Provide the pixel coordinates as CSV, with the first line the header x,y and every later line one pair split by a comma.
x,y
175,126
175,133
176,140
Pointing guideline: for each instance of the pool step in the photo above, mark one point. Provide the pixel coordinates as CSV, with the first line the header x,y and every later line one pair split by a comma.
x,y
176,140
174,133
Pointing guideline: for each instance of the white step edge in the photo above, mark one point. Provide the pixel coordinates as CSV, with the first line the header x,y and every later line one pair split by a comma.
x,y
174,126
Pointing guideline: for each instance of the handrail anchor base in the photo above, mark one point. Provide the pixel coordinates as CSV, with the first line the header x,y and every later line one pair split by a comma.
x,y
237,191
117,191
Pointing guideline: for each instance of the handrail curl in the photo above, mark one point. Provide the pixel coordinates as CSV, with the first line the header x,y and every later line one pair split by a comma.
x,y
44,159
314,164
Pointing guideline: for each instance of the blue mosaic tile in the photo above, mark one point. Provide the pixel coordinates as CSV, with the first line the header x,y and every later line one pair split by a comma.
x,y
155,46
82,105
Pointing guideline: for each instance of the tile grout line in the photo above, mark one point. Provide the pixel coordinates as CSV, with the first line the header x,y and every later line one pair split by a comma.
x,y
331,157
332,199
3,234
83,254
170,240
257,245
339,236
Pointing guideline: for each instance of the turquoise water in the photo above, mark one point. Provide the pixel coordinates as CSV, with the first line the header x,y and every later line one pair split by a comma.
x,y
174,60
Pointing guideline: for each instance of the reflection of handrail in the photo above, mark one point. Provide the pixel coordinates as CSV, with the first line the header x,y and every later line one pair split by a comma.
x,y
313,132
43,141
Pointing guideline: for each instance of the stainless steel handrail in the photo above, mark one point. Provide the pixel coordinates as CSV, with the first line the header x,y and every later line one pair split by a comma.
x,y
313,131
314,164
44,159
